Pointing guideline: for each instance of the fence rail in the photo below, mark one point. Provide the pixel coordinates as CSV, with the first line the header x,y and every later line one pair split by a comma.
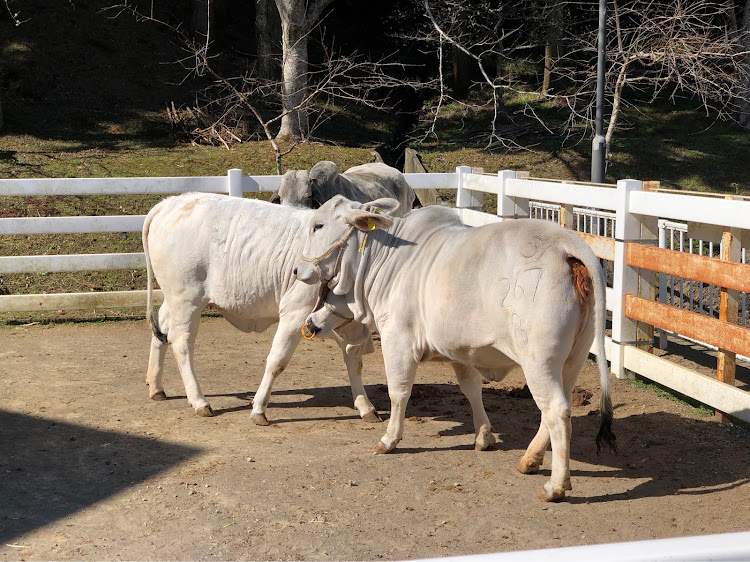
x,y
623,224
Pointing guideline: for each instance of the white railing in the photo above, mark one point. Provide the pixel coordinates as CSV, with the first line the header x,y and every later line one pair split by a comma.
x,y
615,220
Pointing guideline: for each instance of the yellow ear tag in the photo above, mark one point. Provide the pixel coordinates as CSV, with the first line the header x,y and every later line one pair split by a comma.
x,y
371,226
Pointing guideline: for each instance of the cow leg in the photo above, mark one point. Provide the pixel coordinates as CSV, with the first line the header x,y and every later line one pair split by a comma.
x,y
534,454
361,402
183,329
156,358
400,370
470,382
546,387
284,343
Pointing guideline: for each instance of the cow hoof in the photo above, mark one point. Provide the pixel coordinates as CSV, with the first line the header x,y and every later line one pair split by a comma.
x,y
159,396
259,419
205,412
526,467
484,440
381,449
554,496
371,417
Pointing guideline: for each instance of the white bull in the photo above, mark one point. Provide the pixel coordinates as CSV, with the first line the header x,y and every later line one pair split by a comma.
x,y
523,292
361,183
235,256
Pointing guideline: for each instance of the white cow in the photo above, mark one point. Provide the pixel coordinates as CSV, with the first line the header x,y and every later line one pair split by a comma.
x,y
523,292
361,183
234,256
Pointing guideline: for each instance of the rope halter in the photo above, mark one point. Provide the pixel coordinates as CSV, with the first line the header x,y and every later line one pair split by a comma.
x,y
339,245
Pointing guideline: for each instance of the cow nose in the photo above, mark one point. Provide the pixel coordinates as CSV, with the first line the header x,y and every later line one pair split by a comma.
x,y
295,271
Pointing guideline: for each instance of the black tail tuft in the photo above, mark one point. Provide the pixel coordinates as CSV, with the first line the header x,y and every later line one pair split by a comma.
x,y
606,438
157,332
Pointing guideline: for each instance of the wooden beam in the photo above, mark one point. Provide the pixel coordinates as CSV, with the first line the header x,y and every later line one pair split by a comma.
x,y
726,361
724,335
699,268
603,247
729,399
76,301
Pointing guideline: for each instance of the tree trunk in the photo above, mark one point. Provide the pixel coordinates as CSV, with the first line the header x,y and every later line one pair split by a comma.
x,y
267,35
294,123
622,78
461,74
744,103
297,19
555,24
199,19
2,117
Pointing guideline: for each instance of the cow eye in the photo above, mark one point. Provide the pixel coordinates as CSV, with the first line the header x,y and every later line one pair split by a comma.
x,y
317,226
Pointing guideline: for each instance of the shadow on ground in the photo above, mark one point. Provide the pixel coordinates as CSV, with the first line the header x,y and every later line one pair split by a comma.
x,y
662,453
50,470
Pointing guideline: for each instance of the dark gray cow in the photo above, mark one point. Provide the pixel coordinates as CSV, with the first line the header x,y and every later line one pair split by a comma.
x,y
363,183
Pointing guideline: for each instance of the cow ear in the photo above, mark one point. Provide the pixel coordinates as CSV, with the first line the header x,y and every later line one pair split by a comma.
x,y
366,220
384,205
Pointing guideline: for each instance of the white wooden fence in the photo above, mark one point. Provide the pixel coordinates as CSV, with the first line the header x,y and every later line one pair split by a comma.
x,y
620,222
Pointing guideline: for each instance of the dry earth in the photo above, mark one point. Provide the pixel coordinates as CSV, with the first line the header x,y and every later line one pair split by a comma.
x,y
91,469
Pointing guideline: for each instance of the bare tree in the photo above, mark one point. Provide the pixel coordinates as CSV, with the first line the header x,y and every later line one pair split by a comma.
x,y
298,18
229,100
553,18
481,34
16,18
663,48
743,114
268,38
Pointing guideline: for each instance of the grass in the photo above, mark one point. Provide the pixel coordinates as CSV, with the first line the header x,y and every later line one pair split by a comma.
x,y
664,392
80,105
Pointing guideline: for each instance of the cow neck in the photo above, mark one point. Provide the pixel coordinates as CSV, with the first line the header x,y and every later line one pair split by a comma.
x,y
289,249
374,251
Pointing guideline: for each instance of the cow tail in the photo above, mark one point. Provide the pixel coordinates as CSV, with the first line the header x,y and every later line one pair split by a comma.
x,y
150,279
605,437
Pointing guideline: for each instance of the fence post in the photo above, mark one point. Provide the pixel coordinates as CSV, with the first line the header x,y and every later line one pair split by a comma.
x,y
506,206
466,198
647,284
627,228
728,312
566,216
662,283
234,183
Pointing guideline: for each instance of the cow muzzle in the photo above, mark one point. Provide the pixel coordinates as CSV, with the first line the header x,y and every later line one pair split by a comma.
x,y
309,329
324,320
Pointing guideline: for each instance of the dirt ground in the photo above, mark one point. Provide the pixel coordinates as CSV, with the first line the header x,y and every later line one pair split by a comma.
x,y
92,469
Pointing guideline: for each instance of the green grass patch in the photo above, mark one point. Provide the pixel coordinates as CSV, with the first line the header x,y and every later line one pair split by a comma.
x,y
664,392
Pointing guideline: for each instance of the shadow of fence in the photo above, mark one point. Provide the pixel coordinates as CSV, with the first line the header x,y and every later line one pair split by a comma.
x,y
50,470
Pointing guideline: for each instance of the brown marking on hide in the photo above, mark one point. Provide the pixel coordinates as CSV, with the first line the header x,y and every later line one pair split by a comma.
x,y
581,279
187,209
